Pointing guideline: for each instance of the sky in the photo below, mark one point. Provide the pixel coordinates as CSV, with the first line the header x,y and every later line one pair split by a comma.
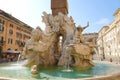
x,y
98,13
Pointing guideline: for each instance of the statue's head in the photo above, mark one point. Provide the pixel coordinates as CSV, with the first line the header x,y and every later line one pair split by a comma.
x,y
80,29
34,67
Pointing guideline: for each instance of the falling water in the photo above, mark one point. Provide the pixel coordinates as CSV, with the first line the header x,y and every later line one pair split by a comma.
x,y
19,58
67,64
96,52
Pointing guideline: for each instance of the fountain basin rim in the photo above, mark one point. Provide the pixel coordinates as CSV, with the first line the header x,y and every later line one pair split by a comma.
x,y
110,77
4,78
106,77
102,77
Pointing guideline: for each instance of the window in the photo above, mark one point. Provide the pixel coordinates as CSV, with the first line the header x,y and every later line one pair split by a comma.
x,y
26,37
17,42
24,44
1,39
2,21
8,49
10,31
20,43
9,41
18,28
11,25
1,28
18,35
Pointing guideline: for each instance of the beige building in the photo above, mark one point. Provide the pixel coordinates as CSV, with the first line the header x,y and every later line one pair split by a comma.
x,y
13,33
109,39
90,35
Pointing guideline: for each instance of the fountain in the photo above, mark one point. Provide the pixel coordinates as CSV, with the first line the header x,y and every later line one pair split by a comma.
x,y
41,50
49,58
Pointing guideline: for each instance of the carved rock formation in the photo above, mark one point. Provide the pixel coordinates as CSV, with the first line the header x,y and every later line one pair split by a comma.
x,y
46,48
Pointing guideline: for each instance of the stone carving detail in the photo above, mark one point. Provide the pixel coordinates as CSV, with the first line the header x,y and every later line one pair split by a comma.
x,y
38,52
45,47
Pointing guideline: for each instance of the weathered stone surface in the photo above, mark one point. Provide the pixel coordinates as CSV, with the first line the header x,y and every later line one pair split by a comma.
x,y
45,48
78,52
40,52
59,6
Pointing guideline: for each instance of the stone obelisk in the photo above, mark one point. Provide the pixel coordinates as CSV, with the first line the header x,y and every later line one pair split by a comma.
x,y
59,6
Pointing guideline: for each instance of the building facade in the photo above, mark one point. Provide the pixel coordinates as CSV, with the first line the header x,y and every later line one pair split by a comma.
x,y
109,39
90,35
13,33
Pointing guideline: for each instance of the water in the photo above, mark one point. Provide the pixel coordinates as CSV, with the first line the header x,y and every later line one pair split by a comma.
x,y
19,58
67,60
16,70
67,70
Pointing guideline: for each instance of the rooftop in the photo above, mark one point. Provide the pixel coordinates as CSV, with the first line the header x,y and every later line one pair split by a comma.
x,y
118,10
14,19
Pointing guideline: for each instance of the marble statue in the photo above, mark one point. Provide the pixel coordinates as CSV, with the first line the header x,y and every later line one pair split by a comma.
x,y
78,34
34,70
45,48
36,51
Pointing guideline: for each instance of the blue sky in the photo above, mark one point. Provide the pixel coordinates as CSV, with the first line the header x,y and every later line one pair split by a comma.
x,y
98,12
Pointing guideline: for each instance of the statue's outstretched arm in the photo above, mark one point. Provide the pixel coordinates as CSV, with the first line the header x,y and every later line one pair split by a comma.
x,y
86,26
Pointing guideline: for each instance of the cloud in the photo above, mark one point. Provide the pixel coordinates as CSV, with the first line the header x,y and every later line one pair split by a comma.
x,y
103,21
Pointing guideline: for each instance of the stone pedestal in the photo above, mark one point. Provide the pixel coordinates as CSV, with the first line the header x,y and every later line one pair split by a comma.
x,y
59,6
